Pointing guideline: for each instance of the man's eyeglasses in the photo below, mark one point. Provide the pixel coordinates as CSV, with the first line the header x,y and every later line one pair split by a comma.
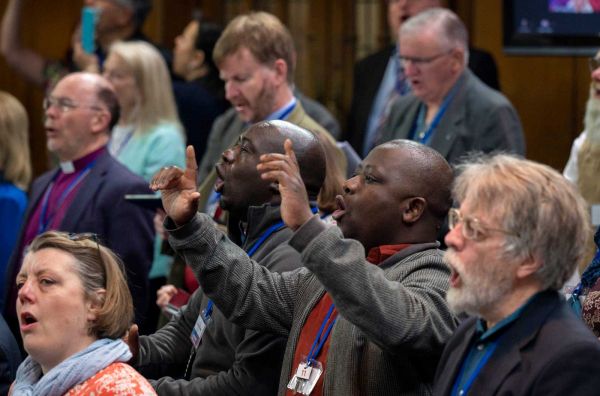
x,y
65,104
593,63
472,228
420,61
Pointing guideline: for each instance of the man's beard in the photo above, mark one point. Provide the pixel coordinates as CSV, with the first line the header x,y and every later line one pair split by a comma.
x,y
265,102
592,117
481,287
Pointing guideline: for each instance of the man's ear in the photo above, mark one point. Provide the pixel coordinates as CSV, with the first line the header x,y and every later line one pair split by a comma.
x,y
280,68
412,209
458,59
528,267
100,121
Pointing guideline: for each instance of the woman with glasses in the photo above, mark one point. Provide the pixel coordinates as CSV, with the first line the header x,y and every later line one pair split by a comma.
x,y
74,307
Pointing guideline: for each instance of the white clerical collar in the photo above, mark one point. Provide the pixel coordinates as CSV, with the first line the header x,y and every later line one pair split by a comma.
x,y
67,167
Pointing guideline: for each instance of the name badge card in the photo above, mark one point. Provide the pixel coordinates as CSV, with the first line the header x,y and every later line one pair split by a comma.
x,y
306,377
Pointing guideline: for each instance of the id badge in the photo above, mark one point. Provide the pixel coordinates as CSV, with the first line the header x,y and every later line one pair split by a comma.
x,y
306,376
198,330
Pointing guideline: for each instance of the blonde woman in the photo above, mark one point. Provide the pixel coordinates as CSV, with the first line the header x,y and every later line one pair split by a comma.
x,y
74,307
149,134
15,173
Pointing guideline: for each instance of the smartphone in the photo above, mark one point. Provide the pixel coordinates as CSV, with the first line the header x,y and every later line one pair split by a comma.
x,y
176,302
89,18
148,201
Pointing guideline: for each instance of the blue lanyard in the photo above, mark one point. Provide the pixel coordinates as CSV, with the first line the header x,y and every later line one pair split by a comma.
x,y
283,113
320,339
123,144
275,227
436,120
268,232
207,312
45,218
471,379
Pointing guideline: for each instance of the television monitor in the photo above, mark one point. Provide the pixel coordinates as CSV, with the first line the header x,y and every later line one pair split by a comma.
x,y
551,27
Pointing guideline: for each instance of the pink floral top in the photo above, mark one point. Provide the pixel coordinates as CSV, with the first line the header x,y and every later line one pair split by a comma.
x,y
116,379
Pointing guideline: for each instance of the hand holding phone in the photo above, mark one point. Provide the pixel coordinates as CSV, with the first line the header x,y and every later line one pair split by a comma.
x,y
89,19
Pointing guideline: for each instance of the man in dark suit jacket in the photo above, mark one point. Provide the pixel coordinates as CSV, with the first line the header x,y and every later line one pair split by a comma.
x,y
449,108
517,237
86,194
369,72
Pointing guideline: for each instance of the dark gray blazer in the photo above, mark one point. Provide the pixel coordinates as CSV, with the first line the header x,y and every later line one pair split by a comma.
x,y
477,119
547,351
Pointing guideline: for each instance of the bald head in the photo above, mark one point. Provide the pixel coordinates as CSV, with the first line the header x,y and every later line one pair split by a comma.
x,y
309,152
96,88
429,174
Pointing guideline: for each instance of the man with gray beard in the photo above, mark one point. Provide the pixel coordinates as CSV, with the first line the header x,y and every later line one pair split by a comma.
x,y
519,232
584,163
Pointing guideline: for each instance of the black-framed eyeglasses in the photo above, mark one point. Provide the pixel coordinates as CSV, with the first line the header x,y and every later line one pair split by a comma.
x,y
472,227
65,104
82,236
593,63
420,61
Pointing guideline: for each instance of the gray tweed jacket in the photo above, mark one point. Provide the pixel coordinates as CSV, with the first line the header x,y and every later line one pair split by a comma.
x,y
393,320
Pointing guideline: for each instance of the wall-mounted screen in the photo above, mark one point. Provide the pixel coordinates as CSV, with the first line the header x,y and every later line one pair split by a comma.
x,y
551,27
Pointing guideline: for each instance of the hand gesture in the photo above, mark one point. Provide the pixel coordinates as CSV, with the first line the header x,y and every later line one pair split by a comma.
x,y
132,339
283,169
178,189
164,295
84,61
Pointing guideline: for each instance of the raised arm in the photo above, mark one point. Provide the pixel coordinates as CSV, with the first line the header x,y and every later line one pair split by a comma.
x,y
399,310
25,61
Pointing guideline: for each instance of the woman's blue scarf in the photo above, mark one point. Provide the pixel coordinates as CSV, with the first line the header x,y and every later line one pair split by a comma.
x,y
72,371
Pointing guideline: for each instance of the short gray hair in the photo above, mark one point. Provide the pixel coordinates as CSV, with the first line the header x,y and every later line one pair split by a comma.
x,y
544,210
451,31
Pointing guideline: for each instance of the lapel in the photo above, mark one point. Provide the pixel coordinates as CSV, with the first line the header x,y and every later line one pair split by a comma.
x,y
508,354
298,114
86,194
456,357
451,124
37,191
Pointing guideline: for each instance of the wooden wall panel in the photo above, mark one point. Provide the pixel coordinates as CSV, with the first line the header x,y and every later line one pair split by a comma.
x,y
548,92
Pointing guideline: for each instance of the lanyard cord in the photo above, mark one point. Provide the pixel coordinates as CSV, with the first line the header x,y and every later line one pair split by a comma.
x,y
320,339
436,120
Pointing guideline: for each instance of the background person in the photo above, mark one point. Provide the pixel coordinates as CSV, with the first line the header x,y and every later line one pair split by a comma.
x,y
118,20
148,135
15,174
449,109
200,95
379,77
74,307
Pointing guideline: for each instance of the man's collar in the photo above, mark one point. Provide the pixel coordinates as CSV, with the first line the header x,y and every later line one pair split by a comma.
x,y
283,112
380,253
68,167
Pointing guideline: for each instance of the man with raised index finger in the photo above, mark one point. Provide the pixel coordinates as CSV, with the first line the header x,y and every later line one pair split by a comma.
x,y
366,315
223,358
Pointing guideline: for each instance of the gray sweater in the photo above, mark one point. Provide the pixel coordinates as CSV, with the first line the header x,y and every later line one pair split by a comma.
x,y
230,359
393,319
